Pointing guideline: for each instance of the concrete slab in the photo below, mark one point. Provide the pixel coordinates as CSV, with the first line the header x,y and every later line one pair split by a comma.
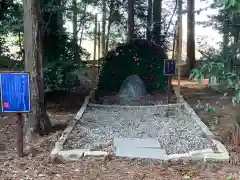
x,y
216,157
138,152
135,142
72,155
76,154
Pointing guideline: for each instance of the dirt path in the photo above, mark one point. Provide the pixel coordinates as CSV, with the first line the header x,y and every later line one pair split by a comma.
x,y
38,168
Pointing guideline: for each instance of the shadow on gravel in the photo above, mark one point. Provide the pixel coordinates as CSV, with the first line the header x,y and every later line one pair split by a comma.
x,y
58,127
65,101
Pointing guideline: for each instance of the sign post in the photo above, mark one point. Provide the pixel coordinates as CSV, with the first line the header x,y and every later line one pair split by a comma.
x,y
169,70
15,98
19,132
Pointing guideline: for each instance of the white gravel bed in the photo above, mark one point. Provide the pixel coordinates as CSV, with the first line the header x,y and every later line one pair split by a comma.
x,y
176,131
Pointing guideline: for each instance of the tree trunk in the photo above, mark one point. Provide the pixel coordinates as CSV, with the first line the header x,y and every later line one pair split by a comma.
x,y
179,43
38,121
99,41
191,61
95,39
75,31
226,42
236,36
99,47
131,34
235,50
104,11
174,42
225,36
20,46
179,32
149,20
108,33
157,8
82,23
81,36
110,21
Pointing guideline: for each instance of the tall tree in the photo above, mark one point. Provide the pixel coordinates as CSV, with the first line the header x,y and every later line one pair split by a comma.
x,y
149,20
38,121
131,19
191,61
157,9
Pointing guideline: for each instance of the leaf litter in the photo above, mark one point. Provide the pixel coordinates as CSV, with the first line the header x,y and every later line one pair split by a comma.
x,y
39,168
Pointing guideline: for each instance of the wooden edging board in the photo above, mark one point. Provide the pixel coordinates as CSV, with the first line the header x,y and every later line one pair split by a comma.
x,y
59,144
208,156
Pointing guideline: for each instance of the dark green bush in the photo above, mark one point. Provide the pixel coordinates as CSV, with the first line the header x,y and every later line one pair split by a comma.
x,y
139,57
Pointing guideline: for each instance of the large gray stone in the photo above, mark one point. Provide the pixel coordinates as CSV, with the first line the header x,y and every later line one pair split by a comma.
x,y
132,88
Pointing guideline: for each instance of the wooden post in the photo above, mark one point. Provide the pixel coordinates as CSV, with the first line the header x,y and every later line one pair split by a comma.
x,y
19,131
95,40
169,88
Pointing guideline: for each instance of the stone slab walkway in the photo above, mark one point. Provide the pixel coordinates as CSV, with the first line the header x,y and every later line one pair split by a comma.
x,y
139,148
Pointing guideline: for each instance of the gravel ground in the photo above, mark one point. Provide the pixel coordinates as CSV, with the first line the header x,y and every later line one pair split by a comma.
x,y
176,131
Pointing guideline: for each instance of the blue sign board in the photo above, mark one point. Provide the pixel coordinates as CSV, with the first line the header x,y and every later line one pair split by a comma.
x,y
15,92
169,67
